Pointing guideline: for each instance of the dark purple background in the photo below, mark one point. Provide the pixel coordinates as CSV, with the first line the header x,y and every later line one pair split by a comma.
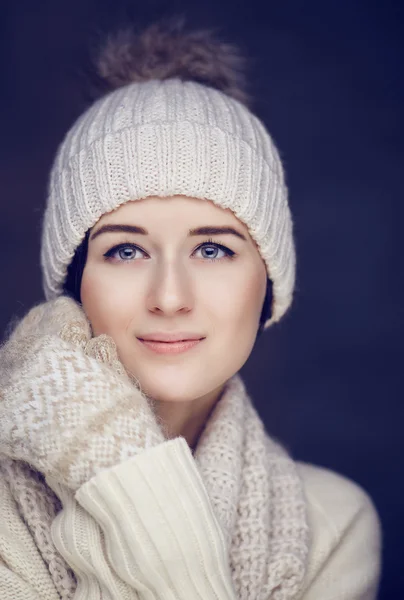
x,y
327,79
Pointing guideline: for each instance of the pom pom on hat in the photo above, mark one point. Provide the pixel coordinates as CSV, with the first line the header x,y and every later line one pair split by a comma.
x,y
165,51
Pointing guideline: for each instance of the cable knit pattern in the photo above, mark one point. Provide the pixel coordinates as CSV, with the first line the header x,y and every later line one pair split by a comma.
x,y
166,138
53,403
257,496
38,506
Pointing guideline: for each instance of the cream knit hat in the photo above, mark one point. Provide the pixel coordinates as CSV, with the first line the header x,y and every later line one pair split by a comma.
x,y
163,138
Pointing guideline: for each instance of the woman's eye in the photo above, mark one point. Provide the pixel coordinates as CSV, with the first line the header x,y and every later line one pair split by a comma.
x,y
123,252
126,253
211,251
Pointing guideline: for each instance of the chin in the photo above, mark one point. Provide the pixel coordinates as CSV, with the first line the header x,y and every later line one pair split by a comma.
x,y
172,386
162,393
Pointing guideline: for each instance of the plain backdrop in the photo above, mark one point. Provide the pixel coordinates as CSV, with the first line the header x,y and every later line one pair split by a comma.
x,y
327,79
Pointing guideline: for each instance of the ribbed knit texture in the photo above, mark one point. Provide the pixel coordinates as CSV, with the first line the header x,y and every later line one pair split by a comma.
x,y
165,138
250,496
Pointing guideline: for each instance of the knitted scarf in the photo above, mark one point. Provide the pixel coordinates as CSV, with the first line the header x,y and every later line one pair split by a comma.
x,y
254,488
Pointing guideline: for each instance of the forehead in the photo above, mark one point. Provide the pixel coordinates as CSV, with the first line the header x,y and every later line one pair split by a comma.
x,y
174,210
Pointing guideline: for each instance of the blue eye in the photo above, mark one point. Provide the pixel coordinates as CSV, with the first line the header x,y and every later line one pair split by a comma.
x,y
122,252
215,248
126,253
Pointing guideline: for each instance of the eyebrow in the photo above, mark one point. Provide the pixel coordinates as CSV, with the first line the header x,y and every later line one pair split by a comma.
x,y
205,230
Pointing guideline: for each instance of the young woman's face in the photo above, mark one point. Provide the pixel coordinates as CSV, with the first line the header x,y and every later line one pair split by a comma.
x,y
171,280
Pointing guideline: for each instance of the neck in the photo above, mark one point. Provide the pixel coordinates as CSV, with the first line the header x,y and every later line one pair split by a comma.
x,y
186,419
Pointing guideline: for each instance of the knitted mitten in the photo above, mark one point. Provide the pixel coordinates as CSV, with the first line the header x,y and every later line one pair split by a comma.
x,y
67,406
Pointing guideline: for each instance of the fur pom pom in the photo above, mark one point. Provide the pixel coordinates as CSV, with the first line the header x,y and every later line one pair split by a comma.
x,y
165,50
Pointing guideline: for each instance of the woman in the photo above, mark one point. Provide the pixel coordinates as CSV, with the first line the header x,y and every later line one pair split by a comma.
x,y
134,464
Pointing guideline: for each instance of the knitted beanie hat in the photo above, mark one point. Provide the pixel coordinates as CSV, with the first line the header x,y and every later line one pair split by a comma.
x,y
169,136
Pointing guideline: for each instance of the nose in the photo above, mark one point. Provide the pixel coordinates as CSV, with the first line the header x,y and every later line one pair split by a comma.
x,y
170,290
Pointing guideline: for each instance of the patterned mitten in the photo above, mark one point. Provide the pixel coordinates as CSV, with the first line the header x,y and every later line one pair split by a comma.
x,y
67,406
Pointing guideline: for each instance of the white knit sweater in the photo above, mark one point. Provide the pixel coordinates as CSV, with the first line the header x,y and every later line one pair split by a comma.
x,y
158,494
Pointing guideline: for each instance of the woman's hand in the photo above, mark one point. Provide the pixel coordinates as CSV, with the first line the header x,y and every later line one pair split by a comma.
x,y
67,406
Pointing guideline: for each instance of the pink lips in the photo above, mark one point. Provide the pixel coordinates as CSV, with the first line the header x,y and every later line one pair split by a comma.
x,y
170,347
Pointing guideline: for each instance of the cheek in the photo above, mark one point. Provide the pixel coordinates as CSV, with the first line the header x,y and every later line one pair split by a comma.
x,y
240,304
108,307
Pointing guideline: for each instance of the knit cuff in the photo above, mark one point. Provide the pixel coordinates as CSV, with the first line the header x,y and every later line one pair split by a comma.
x,y
158,519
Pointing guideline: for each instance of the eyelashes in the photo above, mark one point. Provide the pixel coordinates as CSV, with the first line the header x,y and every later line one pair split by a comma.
x,y
110,255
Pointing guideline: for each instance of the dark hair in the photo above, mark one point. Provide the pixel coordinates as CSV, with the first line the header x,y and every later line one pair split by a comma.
x,y
75,270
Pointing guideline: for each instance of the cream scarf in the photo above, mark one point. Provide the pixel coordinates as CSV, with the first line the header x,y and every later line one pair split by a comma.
x,y
253,485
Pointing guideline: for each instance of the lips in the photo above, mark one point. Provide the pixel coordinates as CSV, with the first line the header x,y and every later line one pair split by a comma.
x,y
175,347
169,341
179,336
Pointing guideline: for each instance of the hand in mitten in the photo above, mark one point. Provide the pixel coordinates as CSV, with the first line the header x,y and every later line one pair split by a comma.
x,y
67,406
